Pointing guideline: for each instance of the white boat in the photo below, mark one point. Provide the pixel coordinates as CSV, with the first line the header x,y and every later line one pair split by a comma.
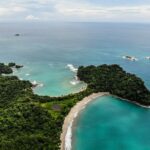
x,y
131,58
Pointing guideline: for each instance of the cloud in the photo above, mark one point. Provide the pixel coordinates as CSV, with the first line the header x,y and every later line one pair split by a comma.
x,y
10,10
74,10
18,9
90,12
31,17
93,10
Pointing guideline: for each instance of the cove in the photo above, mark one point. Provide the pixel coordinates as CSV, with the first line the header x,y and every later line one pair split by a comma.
x,y
109,123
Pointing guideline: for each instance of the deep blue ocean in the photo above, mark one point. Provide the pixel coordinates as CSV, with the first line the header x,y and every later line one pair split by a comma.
x,y
51,52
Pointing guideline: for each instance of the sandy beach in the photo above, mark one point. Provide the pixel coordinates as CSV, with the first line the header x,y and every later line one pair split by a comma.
x,y
67,126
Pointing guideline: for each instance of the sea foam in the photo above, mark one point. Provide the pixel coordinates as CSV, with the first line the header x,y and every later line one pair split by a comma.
x,y
35,83
72,68
75,81
40,85
68,137
27,74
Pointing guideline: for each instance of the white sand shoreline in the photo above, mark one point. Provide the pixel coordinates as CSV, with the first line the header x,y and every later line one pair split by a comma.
x,y
66,136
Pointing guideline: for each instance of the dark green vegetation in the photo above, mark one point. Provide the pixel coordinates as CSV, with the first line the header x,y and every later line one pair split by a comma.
x,y
29,121
5,69
113,79
32,122
12,64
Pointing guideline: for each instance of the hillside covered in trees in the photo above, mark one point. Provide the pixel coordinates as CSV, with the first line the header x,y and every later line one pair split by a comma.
x,y
113,79
32,122
29,121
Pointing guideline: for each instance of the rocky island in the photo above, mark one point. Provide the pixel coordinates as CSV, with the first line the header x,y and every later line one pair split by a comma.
x,y
14,65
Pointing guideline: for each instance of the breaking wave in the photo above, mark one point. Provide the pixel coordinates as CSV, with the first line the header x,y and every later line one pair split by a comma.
x,y
75,81
72,68
68,137
35,83
27,74
40,85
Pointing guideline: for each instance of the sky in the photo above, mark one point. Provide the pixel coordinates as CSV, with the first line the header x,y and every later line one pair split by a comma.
x,y
75,10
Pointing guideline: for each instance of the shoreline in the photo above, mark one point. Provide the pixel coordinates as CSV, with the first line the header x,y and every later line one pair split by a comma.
x,y
132,102
66,135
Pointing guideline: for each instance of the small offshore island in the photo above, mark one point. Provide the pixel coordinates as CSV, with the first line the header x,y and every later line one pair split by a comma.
x,y
30,121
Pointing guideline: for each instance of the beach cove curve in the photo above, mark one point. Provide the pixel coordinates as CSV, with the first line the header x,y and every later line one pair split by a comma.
x,y
66,135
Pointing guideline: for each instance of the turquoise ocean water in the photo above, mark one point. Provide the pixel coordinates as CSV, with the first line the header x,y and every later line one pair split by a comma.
x,y
111,124
46,49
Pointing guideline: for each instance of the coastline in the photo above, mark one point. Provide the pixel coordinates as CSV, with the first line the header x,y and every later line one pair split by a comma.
x,y
132,102
66,135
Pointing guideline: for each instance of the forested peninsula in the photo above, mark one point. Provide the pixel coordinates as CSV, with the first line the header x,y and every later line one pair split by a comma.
x,y
29,121
116,81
